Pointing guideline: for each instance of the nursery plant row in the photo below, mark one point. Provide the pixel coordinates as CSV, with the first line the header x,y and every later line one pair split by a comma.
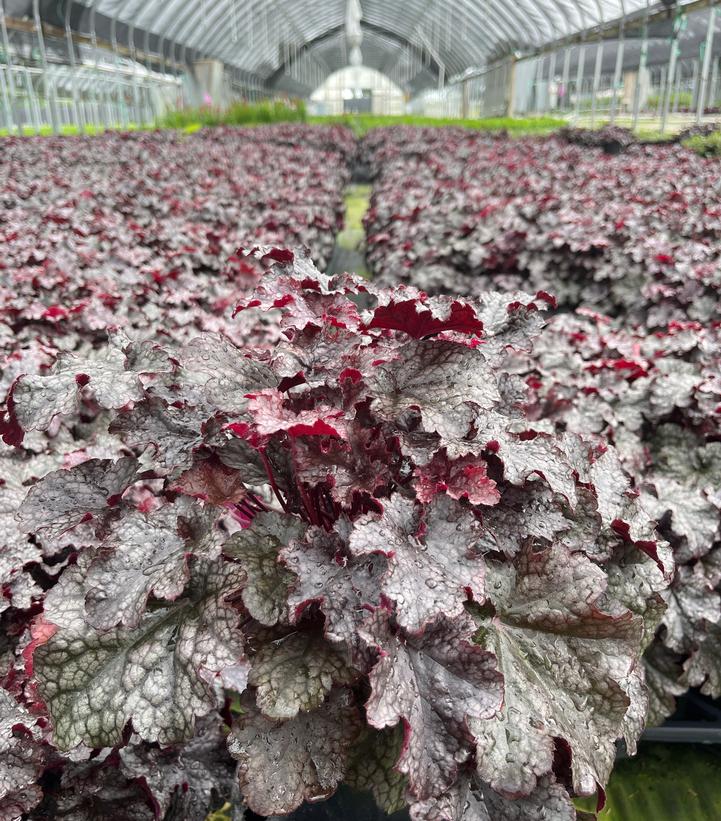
x,y
635,236
264,532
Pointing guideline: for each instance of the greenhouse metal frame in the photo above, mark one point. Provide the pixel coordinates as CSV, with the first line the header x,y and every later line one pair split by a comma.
x,y
117,62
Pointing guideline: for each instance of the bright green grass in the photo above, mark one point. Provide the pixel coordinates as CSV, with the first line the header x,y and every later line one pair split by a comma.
x,y
237,114
191,120
74,130
705,146
362,123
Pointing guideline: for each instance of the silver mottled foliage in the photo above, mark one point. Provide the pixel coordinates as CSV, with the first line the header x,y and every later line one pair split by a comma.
x,y
342,586
429,574
159,675
564,661
295,673
256,548
282,763
471,800
21,759
436,684
445,381
38,399
65,498
142,555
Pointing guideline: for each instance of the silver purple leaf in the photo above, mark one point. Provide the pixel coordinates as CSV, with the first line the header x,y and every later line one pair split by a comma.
x,y
188,781
471,800
564,661
445,381
223,373
295,673
143,555
65,498
437,684
22,759
160,675
429,573
283,763
38,399
342,586
256,549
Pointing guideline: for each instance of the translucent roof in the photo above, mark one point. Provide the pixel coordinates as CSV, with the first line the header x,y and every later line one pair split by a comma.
x,y
261,36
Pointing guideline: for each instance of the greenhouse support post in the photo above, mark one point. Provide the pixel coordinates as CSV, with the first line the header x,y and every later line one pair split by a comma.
x,y
694,86
73,63
713,88
48,86
8,87
617,71
671,71
551,79
537,84
6,48
6,102
641,70
579,77
708,48
677,87
596,81
565,75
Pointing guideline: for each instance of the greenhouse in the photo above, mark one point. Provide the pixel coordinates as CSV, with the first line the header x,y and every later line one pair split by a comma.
x,y
360,410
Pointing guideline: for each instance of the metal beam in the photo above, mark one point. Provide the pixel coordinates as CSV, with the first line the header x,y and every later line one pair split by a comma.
x,y
708,48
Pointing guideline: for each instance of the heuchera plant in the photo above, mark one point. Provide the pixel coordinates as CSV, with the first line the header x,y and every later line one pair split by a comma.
x,y
657,398
351,552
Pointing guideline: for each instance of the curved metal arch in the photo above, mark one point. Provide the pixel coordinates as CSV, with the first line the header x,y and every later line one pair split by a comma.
x,y
506,24
327,37
217,25
378,43
490,26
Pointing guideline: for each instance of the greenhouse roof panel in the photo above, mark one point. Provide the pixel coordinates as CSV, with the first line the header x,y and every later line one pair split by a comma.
x,y
262,36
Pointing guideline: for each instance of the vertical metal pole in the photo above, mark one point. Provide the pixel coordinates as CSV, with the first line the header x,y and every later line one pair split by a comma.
x,y
511,88
48,87
694,85
596,80
677,87
150,95
671,74
579,77
119,89
537,82
551,78
708,47
9,87
6,49
33,103
102,111
618,68
641,71
668,84
137,114
6,102
662,86
565,75
73,64
713,91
